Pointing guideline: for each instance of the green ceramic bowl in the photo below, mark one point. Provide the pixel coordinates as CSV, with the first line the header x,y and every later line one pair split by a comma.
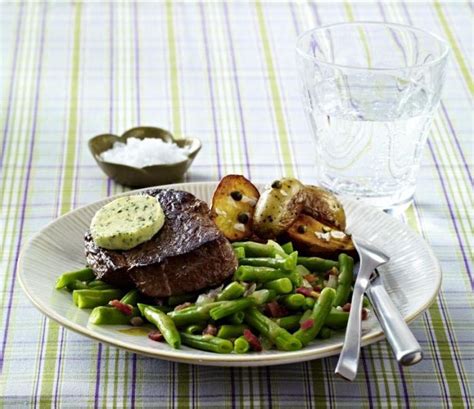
x,y
149,175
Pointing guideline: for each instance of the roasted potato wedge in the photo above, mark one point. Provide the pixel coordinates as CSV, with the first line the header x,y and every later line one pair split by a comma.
x,y
315,238
233,206
278,207
324,206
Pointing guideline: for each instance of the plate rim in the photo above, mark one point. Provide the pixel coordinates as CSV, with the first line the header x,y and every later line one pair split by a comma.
x,y
282,357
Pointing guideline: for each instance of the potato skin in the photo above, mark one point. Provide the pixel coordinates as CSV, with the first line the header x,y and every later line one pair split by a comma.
x,y
316,239
227,206
324,206
277,208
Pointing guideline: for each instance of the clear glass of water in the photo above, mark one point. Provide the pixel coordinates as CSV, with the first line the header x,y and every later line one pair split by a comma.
x,y
370,91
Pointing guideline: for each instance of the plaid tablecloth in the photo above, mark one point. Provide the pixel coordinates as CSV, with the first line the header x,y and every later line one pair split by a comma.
x,y
224,72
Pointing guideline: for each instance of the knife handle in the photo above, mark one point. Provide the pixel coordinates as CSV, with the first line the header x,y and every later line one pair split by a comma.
x,y
406,348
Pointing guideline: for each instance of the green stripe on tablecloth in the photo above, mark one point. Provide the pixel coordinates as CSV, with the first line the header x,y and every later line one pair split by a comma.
x,y
455,47
66,199
173,67
276,98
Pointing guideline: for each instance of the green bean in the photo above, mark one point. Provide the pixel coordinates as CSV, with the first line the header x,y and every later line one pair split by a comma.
x,y
337,319
366,302
253,249
278,249
96,283
207,343
239,252
306,316
272,295
236,318
194,329
230,307
290,322
293,301
324,333
94,298
104,315
231,331
309,302
99,285
231,291
131,298
86,274
241,345
297,275
346,266
175,300
319,314
268,328
260,296
258,274
163,322
285,264
316,264
77,285
288,247
281,286
194,314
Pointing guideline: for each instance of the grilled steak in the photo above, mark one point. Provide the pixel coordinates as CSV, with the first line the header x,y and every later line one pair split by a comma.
x,y
188,253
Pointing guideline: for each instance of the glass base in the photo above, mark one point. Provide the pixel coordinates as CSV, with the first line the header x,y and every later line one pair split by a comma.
x,y
393,204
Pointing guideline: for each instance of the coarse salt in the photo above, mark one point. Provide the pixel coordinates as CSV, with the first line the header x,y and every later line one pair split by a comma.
x,y
144,152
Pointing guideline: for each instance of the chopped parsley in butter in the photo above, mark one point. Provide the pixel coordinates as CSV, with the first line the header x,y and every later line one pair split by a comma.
x,y
127,222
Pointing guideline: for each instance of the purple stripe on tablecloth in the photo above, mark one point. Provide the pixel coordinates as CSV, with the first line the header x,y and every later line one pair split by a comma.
x,y
395,37
232,388
12,82
60,358
237,89
456,141
137,59
454,349
404,385
211,88
138,106
27,185
437,360
38,375
97,382
367,380
269,387
111,80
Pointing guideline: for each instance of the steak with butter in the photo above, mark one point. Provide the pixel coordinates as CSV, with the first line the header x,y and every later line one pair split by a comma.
x,y
189,253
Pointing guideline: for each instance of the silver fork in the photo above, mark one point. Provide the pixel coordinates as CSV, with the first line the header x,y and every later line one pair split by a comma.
x,y
406,348
370,258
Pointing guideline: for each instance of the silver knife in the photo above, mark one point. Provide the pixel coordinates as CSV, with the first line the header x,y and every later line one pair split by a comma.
x,y
405,347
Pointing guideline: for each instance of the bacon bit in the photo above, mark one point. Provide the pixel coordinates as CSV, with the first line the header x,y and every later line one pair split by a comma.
x,y
275,310
305,291
182,306
156,336
365,314
346,307
310,278
318,289
252,340
307,324
122,307
210,330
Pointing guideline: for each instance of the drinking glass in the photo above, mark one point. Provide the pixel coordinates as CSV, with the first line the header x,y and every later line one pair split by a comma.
x,y
370,91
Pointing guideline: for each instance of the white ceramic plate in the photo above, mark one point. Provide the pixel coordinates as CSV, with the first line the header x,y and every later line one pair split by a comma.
x,y
412,279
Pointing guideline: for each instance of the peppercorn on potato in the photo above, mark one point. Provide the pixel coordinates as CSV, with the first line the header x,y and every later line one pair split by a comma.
x,y
233,206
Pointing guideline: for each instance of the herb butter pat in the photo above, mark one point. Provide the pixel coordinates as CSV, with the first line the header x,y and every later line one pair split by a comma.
x,y
127,222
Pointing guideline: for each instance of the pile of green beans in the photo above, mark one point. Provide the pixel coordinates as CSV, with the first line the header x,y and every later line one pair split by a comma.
x,y
238,317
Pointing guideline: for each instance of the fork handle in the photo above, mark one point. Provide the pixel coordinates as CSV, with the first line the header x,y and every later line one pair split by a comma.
x,y
406,348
